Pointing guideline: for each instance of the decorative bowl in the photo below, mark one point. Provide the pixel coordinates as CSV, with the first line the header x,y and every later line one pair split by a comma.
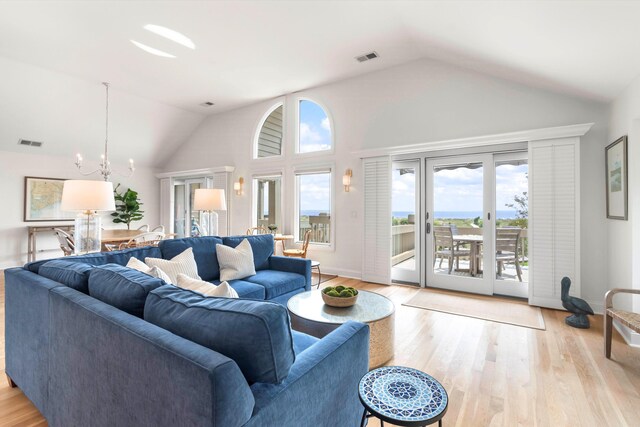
x,y
339,301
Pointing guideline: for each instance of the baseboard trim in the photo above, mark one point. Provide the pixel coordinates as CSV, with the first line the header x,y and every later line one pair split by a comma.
x,y
349,274
632,338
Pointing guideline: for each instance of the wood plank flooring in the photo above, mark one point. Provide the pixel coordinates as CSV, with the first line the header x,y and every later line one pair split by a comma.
x,y
495,374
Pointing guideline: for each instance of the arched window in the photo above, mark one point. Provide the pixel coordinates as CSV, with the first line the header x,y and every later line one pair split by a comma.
x,y
314,128
268,141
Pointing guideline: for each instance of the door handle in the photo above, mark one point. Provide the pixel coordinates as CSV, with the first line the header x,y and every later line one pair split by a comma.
x,y
489,216
428,227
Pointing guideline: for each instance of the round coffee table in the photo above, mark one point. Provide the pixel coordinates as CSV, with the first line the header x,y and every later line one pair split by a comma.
x,y
310,315
402,396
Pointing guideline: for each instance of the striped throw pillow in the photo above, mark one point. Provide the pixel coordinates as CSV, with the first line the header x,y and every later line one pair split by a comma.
x,y
183,263
235,263
206,288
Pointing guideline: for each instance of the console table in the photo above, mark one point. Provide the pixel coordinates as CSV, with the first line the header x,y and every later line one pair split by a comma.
x,y
32,232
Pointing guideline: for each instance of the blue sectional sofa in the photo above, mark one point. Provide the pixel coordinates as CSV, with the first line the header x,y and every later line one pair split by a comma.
x,y
93,343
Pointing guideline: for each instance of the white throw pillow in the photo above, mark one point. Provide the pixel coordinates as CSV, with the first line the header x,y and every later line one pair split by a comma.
x,y
235,263
206,288
136,264
183,263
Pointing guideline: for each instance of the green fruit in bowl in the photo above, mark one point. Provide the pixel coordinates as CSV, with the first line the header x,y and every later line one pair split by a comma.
x,y
328,289
333,293
340,288
346,293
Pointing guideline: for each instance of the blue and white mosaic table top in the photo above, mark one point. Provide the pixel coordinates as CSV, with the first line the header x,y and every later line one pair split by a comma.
x,y
403,394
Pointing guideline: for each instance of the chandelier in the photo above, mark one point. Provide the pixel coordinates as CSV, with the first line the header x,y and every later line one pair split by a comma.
x,y
104,168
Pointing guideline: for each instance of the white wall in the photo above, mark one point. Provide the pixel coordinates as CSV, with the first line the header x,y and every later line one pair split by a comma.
x,y
13,230
68,115
414,103
624,236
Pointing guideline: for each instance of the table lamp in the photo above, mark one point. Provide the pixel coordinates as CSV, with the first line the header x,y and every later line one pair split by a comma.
x,y
87,197
210,200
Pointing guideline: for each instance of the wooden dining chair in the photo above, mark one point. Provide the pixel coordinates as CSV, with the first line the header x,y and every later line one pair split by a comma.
x,y
152,238
257,230
302,252
627,318
507,249
66,241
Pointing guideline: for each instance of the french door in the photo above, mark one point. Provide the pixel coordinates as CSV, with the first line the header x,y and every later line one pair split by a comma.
x,y
459,223
477,223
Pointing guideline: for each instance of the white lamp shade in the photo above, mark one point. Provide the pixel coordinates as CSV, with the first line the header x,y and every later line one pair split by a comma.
x,y
80,195
209,199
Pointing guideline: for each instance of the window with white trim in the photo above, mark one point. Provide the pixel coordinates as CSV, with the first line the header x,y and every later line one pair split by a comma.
x,y
313,205
268,139
314,128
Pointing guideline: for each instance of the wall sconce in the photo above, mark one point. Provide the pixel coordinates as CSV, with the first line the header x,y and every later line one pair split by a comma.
x,y
237,186
346,179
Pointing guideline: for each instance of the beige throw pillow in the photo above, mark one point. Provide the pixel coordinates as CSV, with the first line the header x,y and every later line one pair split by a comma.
x,y
235,263
136,264
183,263
206,288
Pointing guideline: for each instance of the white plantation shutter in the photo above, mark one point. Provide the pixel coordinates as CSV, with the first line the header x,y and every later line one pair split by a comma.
x,y
554,219
376,261
166,204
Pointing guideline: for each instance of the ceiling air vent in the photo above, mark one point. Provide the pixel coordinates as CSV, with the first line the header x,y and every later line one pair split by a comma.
x,y
207,104
30,143
367,57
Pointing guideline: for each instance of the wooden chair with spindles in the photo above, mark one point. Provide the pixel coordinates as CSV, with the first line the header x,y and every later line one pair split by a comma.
x,y
257,230
302,252
627,318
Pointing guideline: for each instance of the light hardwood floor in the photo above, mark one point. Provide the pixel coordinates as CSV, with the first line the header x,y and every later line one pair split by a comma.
x,y
495,374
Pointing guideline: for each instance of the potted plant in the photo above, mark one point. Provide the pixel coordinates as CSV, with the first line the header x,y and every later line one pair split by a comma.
x,y
127,207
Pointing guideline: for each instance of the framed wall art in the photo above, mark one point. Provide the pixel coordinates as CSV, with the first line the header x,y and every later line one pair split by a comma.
x,y
42,200
616,169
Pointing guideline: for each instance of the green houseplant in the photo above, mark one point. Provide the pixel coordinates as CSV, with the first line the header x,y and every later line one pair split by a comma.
x,y
127,207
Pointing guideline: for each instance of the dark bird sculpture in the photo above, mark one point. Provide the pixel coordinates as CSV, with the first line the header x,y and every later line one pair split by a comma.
x,y
579,307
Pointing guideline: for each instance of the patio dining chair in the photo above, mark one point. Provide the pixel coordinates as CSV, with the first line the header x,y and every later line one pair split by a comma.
x,y
66,241
446,248
507,250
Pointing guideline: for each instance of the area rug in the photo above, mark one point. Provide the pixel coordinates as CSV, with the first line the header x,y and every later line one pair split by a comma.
x,y
493,309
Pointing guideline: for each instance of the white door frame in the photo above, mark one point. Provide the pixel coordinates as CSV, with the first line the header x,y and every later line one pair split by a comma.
x,y
483,285
403,275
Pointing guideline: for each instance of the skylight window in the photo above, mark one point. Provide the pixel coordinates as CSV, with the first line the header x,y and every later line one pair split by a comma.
x,y
152,50
170,34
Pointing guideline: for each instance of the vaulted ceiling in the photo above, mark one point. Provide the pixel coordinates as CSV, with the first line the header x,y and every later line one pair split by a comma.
x,y
247,51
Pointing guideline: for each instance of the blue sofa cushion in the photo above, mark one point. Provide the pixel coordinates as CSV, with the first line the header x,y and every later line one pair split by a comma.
x,y
301,341
122,287
246,289
70,273
261,244
277,283
204,252
101,258
255,334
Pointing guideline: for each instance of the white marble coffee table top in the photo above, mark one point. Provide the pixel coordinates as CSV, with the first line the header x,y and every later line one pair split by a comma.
x,y
370,307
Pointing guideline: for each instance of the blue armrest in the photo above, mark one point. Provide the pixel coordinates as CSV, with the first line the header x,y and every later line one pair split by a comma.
x,y
292,265
325,373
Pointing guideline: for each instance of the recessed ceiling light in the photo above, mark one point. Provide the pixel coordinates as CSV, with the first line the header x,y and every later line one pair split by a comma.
x,y
152,50
171,35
